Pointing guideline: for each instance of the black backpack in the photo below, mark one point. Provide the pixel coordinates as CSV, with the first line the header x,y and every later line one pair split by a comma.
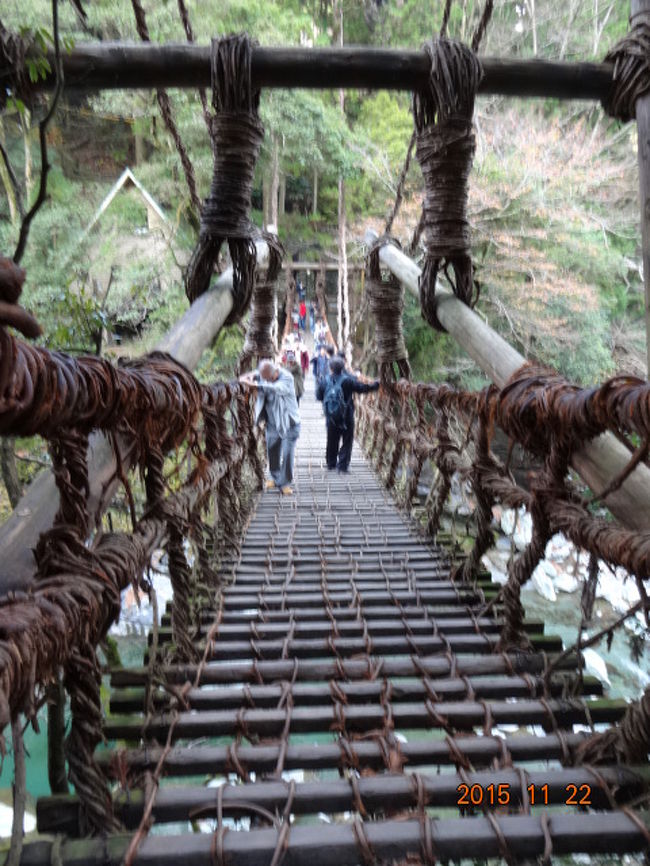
x,y
334,403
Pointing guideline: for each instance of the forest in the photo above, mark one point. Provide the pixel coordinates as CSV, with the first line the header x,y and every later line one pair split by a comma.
x,y
553,191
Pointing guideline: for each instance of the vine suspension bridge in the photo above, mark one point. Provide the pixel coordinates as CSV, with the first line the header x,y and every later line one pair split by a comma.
x,y
330,663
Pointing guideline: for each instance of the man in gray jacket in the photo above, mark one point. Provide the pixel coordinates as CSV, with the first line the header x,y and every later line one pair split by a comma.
x,y
277,405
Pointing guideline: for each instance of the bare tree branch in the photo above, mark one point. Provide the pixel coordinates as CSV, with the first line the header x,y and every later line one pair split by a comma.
x,y
42,135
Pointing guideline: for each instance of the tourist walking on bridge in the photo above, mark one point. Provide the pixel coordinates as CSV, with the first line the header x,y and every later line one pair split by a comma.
x,y
277,405
295,369
336,392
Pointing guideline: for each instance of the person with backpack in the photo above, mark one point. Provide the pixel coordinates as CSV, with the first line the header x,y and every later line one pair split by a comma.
x,y
336,392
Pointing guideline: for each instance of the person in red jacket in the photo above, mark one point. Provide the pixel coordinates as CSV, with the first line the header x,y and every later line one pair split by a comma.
x,y
302,312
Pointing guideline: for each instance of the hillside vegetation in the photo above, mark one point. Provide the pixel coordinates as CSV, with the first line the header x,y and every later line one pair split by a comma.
x,y
553,200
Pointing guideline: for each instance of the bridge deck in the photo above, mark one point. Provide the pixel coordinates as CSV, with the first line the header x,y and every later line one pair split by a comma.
x,y
342,624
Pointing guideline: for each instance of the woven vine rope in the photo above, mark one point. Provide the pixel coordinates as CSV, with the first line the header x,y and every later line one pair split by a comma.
x,y
259,342
237,134
631,79
445,146
386,302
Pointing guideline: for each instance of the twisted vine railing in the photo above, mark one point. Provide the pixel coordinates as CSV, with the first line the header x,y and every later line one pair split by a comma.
x,y
153,405
408,424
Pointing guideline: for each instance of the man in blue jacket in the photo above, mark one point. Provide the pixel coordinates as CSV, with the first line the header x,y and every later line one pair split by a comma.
x,y
336,392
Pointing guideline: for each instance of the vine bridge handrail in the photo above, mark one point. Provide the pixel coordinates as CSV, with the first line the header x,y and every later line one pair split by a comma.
x,y
34,514
600,461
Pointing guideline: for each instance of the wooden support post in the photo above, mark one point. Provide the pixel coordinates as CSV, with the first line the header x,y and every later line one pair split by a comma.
x,y
186,341
599,461
642,7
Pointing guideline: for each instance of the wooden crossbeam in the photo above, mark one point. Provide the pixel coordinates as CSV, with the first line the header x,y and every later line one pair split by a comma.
x,y
121,65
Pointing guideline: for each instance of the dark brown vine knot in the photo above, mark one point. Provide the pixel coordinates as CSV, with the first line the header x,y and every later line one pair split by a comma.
x,y
259,341
386,302
631,79
237,134
445,146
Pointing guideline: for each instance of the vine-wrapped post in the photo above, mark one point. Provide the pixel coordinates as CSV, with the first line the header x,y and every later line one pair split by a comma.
x,y
237,134
260,342
445,145
386,302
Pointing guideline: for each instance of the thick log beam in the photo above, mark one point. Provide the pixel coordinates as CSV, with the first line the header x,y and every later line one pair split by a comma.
x,y
186,341
121,65
600,461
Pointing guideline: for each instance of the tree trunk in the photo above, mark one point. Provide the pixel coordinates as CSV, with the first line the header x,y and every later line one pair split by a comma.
x,y
275,183
10,471
366,319
266,197
533,23
6,182
343,300
11,198
139,148
314,204
642,7
283,194
599,26
344,303
463,23
574,7
26,127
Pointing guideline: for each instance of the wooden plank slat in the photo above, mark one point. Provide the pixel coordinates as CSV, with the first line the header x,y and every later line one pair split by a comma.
x,y
378,795
352,669
480,751
462,715
453,838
